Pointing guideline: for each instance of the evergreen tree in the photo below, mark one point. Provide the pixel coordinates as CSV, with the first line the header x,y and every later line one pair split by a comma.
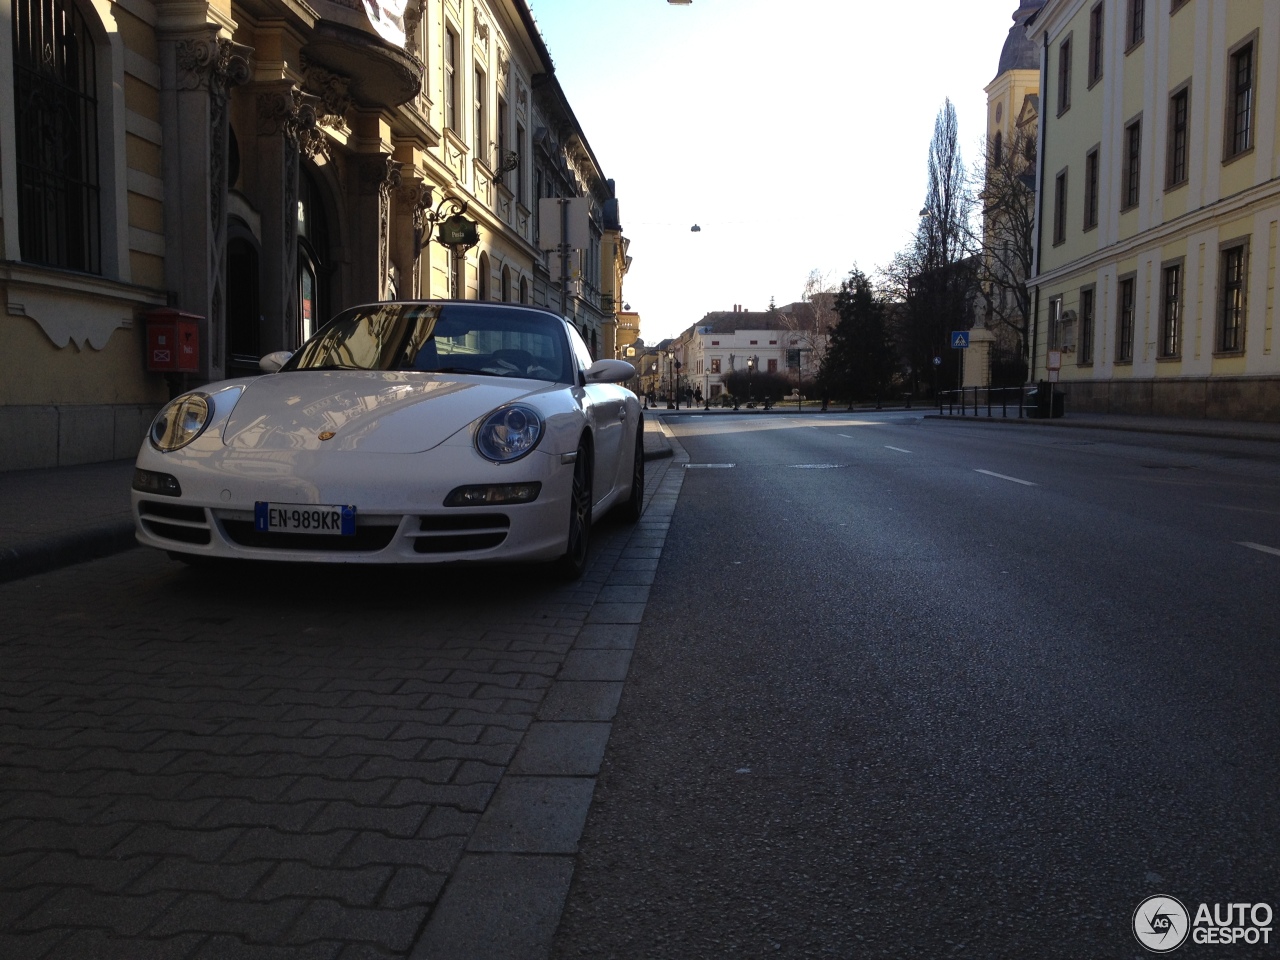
x,y
860,362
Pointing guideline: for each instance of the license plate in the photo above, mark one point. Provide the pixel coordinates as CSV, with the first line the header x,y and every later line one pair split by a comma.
x,y
333,520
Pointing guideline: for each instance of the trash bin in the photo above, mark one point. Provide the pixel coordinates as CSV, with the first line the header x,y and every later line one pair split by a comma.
x,y
1043,401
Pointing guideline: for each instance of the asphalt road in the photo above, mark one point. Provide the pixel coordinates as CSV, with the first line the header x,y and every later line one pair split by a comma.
x,y
907,688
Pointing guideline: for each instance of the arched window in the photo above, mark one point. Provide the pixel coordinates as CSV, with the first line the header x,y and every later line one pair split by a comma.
x,y
524,290
506,284
997,148
56,104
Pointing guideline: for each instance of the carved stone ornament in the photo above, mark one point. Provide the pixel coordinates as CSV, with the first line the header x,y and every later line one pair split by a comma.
x,y
212,62
333,91
412,18
482,28
293,114
381,173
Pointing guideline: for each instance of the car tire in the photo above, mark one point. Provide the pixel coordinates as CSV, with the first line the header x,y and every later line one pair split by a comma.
x,y
633,506
573,564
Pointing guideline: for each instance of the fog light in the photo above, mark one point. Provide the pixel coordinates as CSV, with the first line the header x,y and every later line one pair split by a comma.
x,y
162,484
489,494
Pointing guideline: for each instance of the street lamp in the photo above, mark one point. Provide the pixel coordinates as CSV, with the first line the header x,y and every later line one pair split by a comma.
x,y
751,366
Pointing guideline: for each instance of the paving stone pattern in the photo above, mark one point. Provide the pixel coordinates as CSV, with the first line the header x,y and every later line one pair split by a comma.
x,y
333,764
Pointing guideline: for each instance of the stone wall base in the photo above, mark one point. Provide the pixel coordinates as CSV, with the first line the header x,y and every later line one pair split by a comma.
x,y
37,436
1217,398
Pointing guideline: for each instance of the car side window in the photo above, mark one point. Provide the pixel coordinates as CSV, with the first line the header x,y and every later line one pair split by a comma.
x,y
580,351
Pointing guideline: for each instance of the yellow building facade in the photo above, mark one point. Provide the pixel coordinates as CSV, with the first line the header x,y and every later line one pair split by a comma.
x,y
1158,206
258,166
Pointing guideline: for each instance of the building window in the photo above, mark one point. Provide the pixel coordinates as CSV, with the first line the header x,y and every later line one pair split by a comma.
x,y
1091,189
997,149
56,136
1096,40
1179,117
1171,311
521,195
504,145
773,366
1055,323
1124,328
1232,304
1084,352
715,364
1060,208
1240,105
481,117
1137,10
450,80
1131,190
1064,76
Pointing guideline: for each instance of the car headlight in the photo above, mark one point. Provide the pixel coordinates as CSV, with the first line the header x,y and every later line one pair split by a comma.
x,y
509,433
181,421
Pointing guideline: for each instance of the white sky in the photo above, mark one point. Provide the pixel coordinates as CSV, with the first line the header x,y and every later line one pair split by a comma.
x,y
794,132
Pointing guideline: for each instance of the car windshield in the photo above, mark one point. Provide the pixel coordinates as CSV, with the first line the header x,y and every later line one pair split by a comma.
x,y
441,338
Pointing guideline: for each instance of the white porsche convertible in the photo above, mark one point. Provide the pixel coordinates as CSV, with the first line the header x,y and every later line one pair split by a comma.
x,y
407,432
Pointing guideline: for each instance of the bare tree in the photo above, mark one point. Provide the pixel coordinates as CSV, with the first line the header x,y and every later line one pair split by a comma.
x,y
1006,185
934,277
809,323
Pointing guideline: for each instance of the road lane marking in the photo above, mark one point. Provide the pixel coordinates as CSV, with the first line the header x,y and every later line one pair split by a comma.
x,y
1001,476
847,436
709,466
1260,547
816,466
899,449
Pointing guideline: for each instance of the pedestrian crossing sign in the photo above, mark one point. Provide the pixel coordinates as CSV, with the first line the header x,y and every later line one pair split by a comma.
x,y
960,339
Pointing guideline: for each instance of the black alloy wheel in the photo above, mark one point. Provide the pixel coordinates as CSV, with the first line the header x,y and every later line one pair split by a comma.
x,y
633,506
574,562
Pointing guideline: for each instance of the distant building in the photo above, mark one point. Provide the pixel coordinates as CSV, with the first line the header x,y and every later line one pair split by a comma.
x,y
1159,206
783,341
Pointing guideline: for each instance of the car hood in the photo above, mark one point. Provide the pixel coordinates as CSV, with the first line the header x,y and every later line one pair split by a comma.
x,y
367,411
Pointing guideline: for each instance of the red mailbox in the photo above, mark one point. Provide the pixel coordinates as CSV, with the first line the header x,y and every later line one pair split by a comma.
x,y
173,341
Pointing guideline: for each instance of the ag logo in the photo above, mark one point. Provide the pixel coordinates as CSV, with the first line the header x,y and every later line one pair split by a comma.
x,y
1161,924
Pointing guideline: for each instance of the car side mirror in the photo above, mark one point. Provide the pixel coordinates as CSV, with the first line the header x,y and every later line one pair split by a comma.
x,y
610,371
274,361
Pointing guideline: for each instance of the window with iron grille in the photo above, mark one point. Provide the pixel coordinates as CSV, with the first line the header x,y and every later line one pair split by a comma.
x,y
1124,328
1171,311
1179,118
1232,304
1084,350
56,136
1132,164
1240,105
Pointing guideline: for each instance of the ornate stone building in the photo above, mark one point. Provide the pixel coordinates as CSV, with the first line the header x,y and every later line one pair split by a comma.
x,y
250,168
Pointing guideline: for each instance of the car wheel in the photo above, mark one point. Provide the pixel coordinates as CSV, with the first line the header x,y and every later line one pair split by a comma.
x,y
634,505
574,562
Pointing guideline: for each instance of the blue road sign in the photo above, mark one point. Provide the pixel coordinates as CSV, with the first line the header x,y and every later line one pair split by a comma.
x,y
960,339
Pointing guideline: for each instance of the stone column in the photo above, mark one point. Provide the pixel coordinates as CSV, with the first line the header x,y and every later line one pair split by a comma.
x,y
976,360
197,70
